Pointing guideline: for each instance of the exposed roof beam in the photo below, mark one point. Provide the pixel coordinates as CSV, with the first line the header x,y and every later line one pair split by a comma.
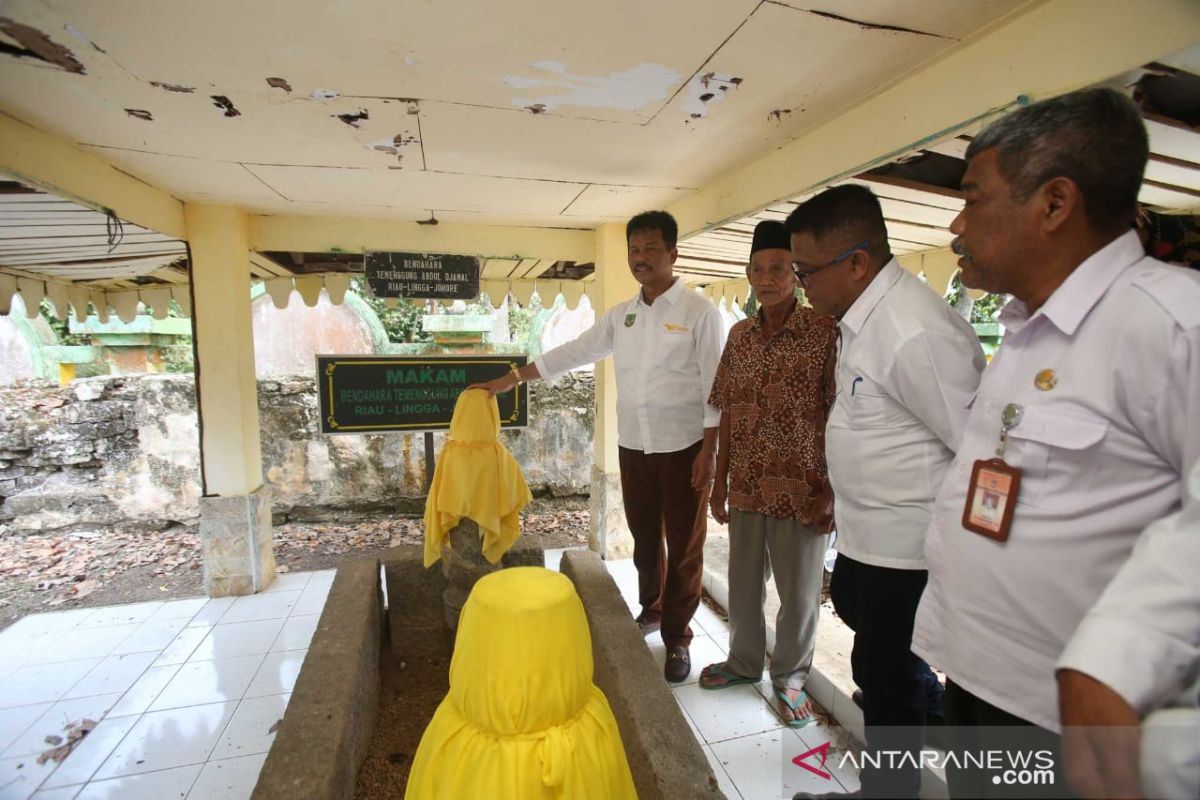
x,y
1171,187
1024,55
59,167
905,183
262,266
354,235
1175,162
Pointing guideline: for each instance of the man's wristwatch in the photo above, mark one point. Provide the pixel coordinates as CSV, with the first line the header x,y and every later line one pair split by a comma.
x,y
516,374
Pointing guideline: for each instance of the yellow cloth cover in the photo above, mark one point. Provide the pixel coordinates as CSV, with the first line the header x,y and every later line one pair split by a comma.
x,y
522,720
477,478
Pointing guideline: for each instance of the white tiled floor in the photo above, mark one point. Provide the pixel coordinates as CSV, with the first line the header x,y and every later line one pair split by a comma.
x,y
749,747
185,693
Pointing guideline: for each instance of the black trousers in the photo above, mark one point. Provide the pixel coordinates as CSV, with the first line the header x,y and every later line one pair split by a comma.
x,y
977,726
934,692
879,604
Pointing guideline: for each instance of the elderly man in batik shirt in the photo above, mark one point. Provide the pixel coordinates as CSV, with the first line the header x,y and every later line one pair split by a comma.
x,y
774,388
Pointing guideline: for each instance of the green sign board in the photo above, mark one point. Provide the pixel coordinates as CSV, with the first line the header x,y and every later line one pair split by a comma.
x,y
402,394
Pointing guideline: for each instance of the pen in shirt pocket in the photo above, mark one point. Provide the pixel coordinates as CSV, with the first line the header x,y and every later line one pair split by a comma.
x,y
854,385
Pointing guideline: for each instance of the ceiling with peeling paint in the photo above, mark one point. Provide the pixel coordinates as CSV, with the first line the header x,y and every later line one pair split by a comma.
x,y
525,114
919,192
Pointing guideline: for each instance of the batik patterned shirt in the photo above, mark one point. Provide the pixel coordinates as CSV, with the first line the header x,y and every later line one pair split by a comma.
x,y
777,391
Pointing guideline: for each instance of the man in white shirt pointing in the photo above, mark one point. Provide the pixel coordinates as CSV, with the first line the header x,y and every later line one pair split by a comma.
x,y
1085,423
666,344
906,366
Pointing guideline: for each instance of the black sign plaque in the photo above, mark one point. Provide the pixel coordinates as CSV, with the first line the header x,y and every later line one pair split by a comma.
x,y
425,276
403,394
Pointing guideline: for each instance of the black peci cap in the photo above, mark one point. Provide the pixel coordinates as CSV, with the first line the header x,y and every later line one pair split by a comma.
x,y
770,235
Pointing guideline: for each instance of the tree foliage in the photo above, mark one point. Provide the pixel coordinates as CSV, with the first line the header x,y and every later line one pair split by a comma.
x,y
61,327
402,322
520,322
982,310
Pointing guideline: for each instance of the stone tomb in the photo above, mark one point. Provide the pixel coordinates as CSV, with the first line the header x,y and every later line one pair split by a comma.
x,y
368,668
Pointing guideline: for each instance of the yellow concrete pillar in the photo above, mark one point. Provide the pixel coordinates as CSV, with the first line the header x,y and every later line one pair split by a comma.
x,y
235,509
939,267
614,284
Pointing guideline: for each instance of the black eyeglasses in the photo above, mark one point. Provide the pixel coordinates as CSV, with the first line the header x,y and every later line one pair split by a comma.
x,y
806,275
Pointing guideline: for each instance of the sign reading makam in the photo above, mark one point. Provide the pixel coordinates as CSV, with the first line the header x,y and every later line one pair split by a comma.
x,y
426,276
402,394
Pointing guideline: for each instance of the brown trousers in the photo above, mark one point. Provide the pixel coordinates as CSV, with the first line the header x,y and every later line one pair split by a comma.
x,y
662,508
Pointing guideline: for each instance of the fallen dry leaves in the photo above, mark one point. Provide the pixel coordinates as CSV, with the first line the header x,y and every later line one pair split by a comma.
x,y
75,733
72,566
58,568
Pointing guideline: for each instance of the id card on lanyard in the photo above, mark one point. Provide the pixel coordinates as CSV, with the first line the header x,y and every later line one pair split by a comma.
x,y
992,492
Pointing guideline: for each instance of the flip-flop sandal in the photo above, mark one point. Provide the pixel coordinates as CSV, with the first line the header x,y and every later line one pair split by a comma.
x,y
793,705
718,671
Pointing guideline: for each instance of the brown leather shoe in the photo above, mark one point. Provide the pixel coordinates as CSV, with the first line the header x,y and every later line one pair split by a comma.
x,y
679,664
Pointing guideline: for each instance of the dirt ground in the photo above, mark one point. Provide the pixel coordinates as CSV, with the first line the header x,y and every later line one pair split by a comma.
x,y
50,572
410,691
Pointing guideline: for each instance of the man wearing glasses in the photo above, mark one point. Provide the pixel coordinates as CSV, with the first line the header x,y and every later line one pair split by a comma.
x,y
907,366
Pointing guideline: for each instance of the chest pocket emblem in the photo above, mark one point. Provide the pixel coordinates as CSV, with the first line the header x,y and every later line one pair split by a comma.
x,y
630,319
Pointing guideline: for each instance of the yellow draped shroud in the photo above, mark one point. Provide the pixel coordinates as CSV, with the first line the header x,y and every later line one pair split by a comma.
x,y
522,720
477,478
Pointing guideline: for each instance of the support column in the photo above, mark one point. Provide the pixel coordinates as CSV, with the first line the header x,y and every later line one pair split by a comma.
x,y
609,534
939,267
235,506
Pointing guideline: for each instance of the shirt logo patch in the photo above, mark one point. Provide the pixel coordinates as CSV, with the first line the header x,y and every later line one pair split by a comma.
x,y
630,319
672,328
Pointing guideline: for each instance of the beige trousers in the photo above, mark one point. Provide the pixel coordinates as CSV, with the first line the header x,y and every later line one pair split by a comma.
x,y
759,546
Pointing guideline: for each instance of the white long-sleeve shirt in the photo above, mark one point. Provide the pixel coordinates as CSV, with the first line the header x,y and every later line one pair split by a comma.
x,y
906,367
1142,640
666,357
1149,614
1103,455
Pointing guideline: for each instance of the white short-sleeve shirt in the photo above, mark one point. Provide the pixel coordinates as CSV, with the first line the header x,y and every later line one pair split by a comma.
x,y
1102,453
665,356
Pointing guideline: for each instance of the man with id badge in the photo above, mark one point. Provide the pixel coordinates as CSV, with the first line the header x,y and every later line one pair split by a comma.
x,y
1077,442
907,364
666,343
